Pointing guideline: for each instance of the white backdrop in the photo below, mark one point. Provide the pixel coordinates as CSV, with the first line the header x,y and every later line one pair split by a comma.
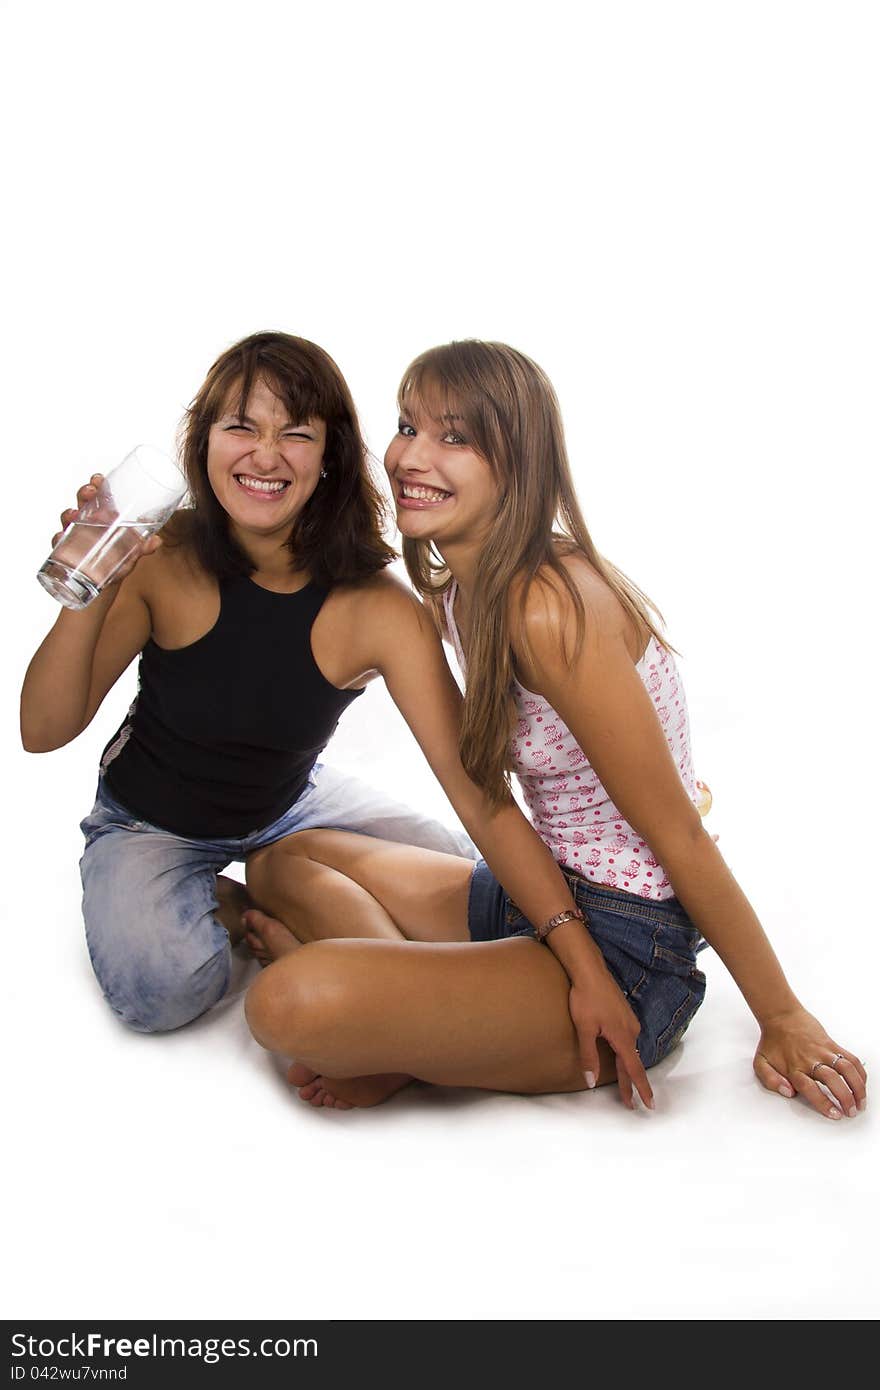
x,y
674,208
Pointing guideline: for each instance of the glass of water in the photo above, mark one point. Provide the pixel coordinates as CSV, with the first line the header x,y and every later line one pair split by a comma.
x,y
132,502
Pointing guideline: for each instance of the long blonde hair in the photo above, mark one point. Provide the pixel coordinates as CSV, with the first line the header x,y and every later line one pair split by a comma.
x,y
509,414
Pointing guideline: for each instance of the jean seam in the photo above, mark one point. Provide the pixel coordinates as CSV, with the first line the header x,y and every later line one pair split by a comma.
x,y
668,1035
633,913
676,957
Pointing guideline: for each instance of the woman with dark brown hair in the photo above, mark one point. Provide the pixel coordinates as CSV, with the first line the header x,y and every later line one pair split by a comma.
x,y
259,615
572,687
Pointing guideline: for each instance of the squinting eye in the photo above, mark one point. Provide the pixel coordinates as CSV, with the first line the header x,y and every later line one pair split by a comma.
x,y
239,429
453,439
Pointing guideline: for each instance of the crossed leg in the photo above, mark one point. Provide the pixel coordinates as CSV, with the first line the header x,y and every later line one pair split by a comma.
x,y
334,883
419,999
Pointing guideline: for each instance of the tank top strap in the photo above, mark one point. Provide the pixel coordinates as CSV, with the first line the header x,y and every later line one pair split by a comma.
x,y
449,614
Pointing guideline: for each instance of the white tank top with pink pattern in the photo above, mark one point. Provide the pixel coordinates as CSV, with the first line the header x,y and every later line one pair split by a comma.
x,y
570,808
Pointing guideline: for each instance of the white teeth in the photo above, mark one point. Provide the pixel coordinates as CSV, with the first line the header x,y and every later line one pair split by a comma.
x,y
261,485
423,494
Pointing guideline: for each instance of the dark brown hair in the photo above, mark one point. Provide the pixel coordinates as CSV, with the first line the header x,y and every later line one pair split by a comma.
x,y
507,409
337,536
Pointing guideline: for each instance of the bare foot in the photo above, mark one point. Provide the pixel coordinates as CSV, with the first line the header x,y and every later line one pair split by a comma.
x,y
344,1093
267,938
232,900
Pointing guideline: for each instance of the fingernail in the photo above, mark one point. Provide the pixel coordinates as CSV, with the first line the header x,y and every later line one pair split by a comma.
x,y
834,1115
786,1091
852,1112
650,1103
590,1079
862,1104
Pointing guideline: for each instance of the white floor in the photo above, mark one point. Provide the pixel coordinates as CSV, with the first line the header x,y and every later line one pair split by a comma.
x,y
177,1176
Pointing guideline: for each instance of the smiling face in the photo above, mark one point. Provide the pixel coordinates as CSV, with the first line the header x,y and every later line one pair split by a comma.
x,y
263,467
444,490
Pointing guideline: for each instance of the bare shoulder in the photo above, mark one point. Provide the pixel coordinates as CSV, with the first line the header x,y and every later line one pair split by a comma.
x,y
181,599
381,601
543,611
172,568
372,627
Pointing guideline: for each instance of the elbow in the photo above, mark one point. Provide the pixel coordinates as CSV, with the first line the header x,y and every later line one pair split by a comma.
x,y
676,836
43,733
33,743
679,853
35,739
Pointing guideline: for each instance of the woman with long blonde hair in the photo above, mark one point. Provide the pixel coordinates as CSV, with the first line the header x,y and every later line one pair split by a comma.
x,y
570,686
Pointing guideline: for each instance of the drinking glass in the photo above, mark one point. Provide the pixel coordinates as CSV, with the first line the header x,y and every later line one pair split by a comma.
x,y
132,502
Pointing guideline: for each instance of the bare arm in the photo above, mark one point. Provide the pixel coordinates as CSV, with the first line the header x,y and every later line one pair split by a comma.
x,y
410,658
602,699
82,656
405,647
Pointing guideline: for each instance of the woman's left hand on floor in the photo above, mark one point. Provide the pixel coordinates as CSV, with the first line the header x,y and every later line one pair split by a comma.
x,y
796,1055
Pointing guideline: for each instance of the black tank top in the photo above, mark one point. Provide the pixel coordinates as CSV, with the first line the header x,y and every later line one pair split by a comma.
x,y
224,732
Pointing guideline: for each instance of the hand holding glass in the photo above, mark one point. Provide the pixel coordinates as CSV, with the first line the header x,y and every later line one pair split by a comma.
x,y
132,502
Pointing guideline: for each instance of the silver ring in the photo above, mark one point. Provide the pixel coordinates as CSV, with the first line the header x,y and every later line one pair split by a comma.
x,y
814,1066
837,1058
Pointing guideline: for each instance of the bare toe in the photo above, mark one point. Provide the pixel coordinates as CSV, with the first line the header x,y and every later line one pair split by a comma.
x,y
256,948
268,938
300,1075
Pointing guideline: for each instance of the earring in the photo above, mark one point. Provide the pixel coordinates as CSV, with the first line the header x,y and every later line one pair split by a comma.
x,y
323,472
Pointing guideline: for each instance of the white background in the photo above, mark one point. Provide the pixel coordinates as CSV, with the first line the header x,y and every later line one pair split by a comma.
x,y
674,208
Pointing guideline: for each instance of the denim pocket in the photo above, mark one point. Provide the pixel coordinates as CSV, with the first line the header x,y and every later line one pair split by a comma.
x,y
684,1009
675,946
649,948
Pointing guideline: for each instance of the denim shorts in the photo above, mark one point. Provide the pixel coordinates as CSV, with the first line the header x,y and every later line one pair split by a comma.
x,y
160,954
649,948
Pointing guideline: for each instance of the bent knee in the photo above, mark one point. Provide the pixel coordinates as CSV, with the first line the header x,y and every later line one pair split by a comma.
x,y
294,1006
280,857
157,998
161,1014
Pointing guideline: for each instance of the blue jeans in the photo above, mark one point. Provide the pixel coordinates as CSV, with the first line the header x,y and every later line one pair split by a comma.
x,y
159,953
649,948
